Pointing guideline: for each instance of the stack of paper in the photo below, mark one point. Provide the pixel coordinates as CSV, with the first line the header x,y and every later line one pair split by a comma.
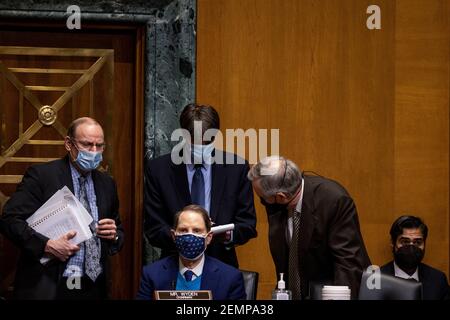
x,y
60,214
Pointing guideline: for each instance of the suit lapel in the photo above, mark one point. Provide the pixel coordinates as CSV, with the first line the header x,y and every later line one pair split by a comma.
x,y
308,219
65,176
99,194
209,279
171,267
218,182
181,184
389,269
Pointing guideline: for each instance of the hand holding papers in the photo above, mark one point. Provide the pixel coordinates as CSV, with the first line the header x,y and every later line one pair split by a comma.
x,y
61,214
223,233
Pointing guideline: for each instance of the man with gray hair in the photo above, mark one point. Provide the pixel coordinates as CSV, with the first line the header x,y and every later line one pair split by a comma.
x,y
314,233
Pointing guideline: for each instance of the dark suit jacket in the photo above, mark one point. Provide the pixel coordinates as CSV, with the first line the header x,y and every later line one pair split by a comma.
x,y
224,281
434,282
331,247
167,191
40,182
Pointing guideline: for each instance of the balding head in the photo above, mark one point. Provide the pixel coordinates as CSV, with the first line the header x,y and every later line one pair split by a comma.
x,y
71,132
276,174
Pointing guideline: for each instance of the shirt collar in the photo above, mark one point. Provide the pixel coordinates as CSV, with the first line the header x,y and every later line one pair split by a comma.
x,y
191,166
402,274
197,270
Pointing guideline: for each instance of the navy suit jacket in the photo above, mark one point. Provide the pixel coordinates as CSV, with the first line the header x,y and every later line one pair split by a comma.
x,y
434,282
225,282
40,182
167,192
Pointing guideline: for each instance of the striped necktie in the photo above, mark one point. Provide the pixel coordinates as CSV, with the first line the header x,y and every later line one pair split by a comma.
x,y
294,270
92,253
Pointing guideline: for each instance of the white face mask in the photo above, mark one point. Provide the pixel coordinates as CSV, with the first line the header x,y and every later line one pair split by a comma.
x,y
202,154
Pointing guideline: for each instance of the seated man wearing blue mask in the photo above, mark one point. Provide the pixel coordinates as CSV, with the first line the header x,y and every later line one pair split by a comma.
x,y
408,237
191,269
96,191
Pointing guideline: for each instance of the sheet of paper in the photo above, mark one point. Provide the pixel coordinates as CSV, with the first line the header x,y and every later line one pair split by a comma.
x,y
222,228
60,214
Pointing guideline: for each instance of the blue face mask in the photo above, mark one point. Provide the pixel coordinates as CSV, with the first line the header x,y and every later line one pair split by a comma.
x,y
202,153
88,161
190,246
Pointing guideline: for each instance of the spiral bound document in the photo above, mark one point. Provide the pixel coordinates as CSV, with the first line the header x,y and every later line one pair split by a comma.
x,y
60,214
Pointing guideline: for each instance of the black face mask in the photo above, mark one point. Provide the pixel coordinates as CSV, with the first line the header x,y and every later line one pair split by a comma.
x,y
408,257
275,207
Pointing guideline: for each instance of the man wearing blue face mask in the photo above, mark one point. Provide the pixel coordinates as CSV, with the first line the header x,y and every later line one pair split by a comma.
x,y
220,187
191,269
96,191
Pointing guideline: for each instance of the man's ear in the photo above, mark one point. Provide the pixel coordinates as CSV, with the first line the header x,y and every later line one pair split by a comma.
x,y
209,237
172,232
67,144
280,197
392,247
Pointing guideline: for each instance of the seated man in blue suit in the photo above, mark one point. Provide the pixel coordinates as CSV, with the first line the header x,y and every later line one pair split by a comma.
x,y
191,269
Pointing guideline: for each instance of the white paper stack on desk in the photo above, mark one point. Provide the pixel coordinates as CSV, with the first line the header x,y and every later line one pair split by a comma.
x,y
60,214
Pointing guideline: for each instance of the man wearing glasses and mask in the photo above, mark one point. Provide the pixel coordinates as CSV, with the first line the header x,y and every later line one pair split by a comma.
x,y
314,233
96,191
408,237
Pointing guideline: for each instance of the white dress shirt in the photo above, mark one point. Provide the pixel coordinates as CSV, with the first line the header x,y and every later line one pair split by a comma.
x,y
197,270
402,274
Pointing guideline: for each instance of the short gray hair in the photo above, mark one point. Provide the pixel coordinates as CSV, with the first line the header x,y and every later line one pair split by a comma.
x,y
276,174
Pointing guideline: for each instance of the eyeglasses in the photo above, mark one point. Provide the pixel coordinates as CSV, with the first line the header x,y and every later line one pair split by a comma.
x,y
406,241
90,145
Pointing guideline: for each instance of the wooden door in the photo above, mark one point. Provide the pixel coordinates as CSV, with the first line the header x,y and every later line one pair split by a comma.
x,y
50,76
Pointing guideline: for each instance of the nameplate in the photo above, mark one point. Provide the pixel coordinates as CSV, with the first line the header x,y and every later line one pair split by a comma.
x,y
183,295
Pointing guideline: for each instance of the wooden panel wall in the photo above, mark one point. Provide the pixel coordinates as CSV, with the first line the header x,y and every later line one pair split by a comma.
x,y
369,108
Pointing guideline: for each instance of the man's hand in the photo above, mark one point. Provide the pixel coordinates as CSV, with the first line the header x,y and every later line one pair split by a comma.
x,y
61,248
223,237
107,229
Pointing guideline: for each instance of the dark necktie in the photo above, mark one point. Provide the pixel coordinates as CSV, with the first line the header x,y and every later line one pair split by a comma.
x,y
92,253
188,275
198,187
294,270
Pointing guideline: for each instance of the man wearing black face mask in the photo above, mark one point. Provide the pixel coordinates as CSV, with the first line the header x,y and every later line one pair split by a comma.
x,y
191,268
408,236
97,191
314,233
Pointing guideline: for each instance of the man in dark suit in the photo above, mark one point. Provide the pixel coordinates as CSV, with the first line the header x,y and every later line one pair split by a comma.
x,y
191,269
97,191
408,238
220,187
314,232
